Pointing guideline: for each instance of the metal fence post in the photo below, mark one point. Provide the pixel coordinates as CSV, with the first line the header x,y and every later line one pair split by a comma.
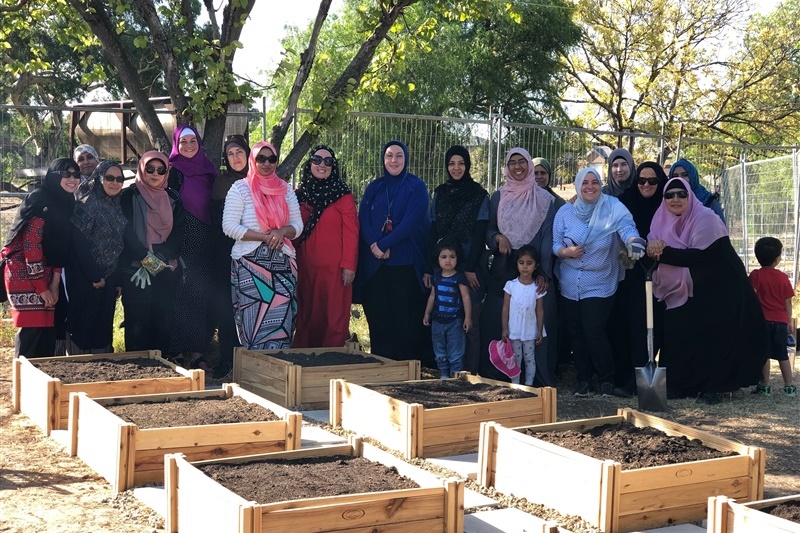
x,y
743,172
796,213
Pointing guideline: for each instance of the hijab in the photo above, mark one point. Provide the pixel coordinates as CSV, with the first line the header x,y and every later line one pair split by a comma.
x,y
612,187
223,182
700,192
319,193
81,149
698,227
54,205
541,161
158,216
198,176
605,215
458,201
642,209
523,205
99,218
269,194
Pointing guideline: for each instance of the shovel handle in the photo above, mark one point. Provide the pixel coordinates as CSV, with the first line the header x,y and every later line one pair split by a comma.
x,y
648,294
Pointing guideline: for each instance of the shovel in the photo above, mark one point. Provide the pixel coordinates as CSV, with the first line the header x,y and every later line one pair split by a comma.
x,y
651,380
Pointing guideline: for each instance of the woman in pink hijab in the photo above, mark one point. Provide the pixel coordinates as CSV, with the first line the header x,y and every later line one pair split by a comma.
x,y
714,329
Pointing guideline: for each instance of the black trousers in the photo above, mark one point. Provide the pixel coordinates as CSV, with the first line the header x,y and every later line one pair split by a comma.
x,y
35,342
149,312
591,350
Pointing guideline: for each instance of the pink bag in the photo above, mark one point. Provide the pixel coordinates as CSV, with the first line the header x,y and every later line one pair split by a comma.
x,y
502,357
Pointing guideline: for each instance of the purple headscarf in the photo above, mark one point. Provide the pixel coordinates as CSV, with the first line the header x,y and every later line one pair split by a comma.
x,y
198,177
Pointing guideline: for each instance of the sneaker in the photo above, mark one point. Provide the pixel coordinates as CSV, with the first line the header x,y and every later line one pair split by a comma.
x,y
607,389
790,390
761,389
583,390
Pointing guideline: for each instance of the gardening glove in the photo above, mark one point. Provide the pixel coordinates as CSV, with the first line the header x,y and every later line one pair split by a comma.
x,y
790,340
153,264
141,278
636,248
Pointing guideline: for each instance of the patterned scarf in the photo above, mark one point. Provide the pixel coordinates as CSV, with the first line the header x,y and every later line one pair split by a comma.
x,y
319,193
269,194
458,201
523,204
159,208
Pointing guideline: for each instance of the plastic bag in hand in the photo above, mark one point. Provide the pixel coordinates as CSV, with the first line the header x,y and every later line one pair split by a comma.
x,y
636,248
141,278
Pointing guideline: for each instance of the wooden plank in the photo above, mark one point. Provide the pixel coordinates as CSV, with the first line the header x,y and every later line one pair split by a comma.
x,y
213,434
453,506
609,496
171,487
679,430
677,515
162,397
326,451
578,425
474,413
150,459
15,377
681,474
72,425
672,496
486,454
728,516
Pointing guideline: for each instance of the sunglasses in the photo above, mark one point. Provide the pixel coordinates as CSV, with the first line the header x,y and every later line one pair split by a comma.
x,y
111,179
648,181
679,194
153,170
74,174
261,159
318,160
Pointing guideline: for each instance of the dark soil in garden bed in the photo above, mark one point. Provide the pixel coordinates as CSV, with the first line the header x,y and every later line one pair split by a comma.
x,y
633,447
324,358
192,412
78,371
294,479
445,393
787,510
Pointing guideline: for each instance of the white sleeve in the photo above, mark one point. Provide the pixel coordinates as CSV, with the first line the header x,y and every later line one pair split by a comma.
x,y
295,219
232,215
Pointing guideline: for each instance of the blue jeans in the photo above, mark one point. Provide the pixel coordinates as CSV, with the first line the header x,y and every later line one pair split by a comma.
x,y
449,342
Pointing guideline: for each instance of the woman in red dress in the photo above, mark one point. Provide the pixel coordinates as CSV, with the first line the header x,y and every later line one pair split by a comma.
x,y
38,246
327,252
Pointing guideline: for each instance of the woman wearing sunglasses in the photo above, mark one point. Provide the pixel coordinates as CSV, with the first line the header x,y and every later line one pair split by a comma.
x,y
327,251
628,330
37,248
714,329
262,215
148,266
97,245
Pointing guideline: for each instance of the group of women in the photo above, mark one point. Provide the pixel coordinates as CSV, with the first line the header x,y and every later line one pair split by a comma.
x,y
192,251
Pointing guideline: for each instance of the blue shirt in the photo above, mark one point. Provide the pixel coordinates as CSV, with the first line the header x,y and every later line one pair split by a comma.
x,y
447,304
597,273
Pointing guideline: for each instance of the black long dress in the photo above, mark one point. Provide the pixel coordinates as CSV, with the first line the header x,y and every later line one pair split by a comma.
x,y
716,341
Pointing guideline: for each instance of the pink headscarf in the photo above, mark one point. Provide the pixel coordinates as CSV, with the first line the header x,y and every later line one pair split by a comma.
x,y
269,194
159,208
698,227
523,204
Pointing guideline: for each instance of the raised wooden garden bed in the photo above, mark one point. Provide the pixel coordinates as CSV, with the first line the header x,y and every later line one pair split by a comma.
x,y
127,456
600,491
198,503
289,384
727,516
416,431
45,399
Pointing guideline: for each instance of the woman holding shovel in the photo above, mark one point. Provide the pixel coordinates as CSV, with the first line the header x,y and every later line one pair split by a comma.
x,y
714,329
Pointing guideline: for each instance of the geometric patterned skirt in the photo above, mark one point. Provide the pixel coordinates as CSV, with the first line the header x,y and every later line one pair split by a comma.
x,y
263,293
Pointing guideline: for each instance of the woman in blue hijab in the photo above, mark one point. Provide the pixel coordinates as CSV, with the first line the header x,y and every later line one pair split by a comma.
x,y
682,168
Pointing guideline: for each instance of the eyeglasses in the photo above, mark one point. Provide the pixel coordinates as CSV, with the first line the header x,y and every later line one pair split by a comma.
x,y
111,179
648,181
261,159
153,170
517,163
679,194
67,174
318,160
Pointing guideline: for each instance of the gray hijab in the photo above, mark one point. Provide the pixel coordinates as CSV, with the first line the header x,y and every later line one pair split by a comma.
x,y
612,187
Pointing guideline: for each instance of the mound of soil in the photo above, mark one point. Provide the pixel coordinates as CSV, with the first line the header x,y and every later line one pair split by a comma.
x,y
444,393
324,358
192,412
294,479
632,446
75,371
787,510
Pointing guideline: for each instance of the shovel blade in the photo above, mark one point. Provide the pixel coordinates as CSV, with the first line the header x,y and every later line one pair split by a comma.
x,y
651,386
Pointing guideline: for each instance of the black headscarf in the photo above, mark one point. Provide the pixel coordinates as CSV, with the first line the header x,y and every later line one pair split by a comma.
x,y
99,217
319,193
458,201
53,204
640,207
224,181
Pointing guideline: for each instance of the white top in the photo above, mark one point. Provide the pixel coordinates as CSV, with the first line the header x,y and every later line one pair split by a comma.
x,y
522,310
239,216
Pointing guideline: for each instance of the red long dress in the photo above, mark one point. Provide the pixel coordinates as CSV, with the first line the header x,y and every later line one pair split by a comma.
x,y
27,275
323,301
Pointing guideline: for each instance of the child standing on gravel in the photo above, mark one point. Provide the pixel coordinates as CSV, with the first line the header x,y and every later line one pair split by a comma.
x,y
448,312
774,291
523,313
